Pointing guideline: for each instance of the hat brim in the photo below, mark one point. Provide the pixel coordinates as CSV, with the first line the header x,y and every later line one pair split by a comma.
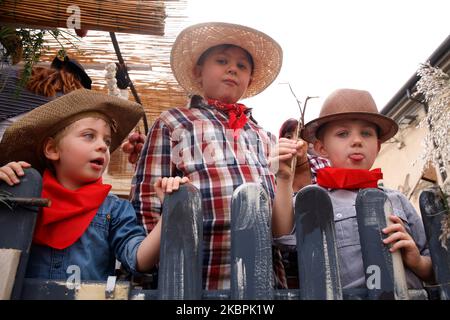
x,y
23,140
388,127
193,41
75,68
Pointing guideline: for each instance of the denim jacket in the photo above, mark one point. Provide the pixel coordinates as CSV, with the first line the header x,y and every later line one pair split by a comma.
x,y
113,233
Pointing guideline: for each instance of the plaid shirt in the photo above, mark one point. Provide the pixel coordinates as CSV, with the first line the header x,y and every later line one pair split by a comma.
x,y
195,142
316,163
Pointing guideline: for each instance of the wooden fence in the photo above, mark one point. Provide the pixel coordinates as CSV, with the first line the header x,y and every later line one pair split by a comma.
x,y
180,271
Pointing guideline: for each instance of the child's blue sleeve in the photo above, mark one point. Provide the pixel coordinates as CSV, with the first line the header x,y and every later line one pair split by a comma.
x,y
125,234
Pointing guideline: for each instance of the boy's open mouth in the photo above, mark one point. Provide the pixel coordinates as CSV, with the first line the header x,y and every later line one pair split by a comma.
x,y
98,161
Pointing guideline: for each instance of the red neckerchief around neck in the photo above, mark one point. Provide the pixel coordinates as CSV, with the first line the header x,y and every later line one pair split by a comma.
x,y
235,112
70,213
343,178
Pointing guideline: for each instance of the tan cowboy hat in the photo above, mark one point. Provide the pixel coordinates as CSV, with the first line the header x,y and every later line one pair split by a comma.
x,y
193,41
350,104
23,140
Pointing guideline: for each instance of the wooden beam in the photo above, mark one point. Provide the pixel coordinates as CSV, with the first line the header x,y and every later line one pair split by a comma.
x,y
133,89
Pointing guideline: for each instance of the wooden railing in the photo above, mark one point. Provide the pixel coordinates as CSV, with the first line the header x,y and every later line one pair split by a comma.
x,y
180,269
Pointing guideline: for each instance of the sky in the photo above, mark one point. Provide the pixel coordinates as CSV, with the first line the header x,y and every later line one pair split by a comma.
x,y
362,44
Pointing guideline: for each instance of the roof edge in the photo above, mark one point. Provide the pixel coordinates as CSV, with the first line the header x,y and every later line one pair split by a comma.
x,y
440,52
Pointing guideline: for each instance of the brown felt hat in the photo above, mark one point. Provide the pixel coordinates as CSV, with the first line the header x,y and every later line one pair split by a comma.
x,y
23,140
193,41
350,104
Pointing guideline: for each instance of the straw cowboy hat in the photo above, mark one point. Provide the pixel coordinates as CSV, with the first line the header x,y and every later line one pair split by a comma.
x,y
193,41
23,140
350,104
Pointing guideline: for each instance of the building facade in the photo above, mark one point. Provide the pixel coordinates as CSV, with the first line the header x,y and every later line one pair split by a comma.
x,y
400,157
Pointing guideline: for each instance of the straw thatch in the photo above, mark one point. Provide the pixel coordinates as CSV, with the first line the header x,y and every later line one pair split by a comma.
x,y
128,16
148,60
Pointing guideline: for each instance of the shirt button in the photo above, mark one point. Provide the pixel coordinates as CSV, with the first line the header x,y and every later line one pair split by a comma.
x,y
338,215
57,265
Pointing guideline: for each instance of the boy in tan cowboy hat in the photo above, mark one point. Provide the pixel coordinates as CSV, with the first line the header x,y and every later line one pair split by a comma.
x,y
349,132
69,141
214,141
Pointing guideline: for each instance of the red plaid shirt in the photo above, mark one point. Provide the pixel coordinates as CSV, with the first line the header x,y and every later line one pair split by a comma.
x,y
316,163
195,142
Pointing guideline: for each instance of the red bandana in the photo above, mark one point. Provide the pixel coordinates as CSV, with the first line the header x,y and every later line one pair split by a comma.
x,y
342,178
70,213
235,111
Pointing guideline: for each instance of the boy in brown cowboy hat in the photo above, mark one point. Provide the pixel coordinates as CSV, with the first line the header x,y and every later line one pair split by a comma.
x,y
214,141
69,141
349,133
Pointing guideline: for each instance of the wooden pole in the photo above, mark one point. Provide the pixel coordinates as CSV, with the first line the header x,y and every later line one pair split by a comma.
x,y
133,89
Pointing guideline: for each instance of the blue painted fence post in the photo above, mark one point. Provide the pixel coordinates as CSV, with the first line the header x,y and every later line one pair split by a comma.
x,y
17,225
180,272
384,271
251,244
433,212
318,266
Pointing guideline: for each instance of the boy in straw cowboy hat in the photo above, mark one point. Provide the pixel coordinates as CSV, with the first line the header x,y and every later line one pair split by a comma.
x,y
69,141
349,132
214,141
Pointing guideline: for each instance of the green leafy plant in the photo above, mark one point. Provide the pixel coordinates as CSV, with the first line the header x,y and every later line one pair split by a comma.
x,y
29,45
434,84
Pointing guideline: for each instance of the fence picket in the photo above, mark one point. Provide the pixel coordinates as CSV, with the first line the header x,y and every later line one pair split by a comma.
x,y
17,225
384,271
433,211
251,244
180,273
316,246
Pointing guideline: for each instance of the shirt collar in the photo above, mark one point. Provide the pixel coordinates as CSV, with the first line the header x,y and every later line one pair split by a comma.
x,y
197,101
